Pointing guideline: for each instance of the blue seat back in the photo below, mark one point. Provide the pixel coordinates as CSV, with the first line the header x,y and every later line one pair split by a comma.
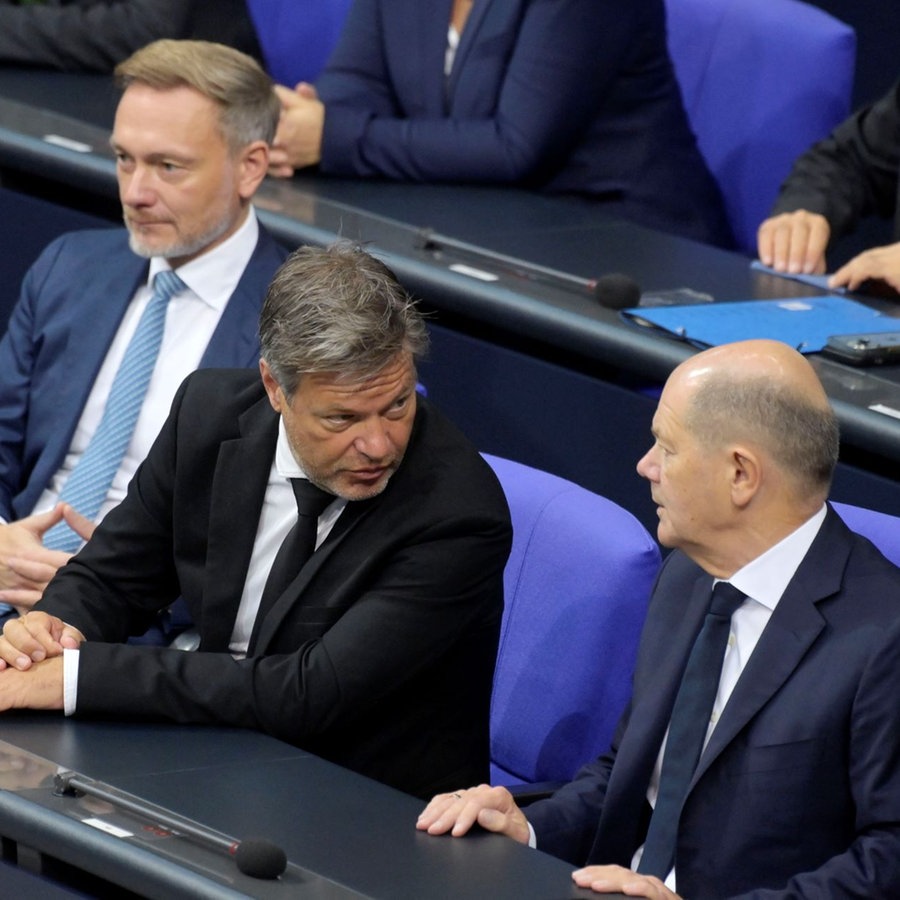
x,y
577,585
762,80
882,529
297,36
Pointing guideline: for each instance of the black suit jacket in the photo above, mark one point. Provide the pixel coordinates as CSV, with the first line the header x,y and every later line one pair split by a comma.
x,y
95,35
854,172
797,794
382,655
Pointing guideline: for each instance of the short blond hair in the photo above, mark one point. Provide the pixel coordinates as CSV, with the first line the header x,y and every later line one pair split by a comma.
x,y
234,81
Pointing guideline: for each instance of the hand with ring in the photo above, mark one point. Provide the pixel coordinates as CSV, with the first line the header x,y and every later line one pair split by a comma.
x,y
493,808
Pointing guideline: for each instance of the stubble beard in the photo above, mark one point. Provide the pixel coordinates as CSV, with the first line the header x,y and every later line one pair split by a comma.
x,y
176,249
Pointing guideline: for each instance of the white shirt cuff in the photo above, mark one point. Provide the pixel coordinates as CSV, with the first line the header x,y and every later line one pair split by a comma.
x,y
70,680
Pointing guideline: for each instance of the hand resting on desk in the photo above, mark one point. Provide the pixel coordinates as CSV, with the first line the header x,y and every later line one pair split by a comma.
x,y
30,639
40,687
880,265
795,243
31,664
495,810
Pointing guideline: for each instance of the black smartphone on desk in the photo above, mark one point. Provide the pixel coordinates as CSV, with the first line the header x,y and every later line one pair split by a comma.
x,y
865,349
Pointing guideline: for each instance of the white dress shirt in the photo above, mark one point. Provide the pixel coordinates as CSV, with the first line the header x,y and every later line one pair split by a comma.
x,y
191,318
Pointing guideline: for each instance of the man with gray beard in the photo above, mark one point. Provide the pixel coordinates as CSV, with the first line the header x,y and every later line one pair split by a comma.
x,y
191,137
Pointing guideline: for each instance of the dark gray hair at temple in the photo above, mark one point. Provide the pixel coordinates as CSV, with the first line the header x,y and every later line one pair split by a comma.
x,y
803,437
234,81
336,309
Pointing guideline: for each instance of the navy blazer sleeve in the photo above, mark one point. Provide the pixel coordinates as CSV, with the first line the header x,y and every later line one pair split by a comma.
x,y
42,391
526,90
16,363
853,173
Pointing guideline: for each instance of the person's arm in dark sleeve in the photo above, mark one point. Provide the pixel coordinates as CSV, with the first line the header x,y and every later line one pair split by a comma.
x,y
88,37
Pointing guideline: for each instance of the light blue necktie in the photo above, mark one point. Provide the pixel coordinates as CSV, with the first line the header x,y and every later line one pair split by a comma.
x,y
89,483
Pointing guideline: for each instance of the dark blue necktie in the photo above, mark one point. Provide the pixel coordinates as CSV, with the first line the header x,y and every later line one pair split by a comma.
x,y
687,729
296,548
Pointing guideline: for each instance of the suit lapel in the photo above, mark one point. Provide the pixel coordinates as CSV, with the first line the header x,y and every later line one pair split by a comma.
x,y
650,716
235,341
794,626
467,40
95,317
239,487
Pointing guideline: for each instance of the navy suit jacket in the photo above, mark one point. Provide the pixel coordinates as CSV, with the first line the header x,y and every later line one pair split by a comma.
x,y
72,301
797,794
568,96
380,654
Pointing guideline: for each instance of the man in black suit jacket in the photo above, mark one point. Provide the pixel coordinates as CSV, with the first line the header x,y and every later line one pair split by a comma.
x,y
850,175
797,791
94,35
380,654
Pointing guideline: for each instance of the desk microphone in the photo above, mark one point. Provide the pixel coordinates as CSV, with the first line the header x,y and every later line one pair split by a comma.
x,y
256,857
613,291
617,291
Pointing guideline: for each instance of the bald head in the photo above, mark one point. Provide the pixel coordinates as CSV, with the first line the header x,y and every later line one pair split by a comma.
x,y
748,360
765,393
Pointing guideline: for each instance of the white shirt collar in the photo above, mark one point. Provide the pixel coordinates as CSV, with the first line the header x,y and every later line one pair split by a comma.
x,y
766,578
285,462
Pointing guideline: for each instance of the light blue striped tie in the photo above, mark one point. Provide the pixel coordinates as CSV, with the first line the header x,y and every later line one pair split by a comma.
x,y
89,483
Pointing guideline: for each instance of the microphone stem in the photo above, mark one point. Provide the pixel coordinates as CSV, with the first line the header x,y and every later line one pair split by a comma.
x,y
67,783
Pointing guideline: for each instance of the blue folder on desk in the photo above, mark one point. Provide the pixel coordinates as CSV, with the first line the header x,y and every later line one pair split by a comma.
x,y
805,323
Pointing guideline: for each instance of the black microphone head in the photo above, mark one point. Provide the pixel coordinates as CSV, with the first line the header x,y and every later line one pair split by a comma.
x,y
617,291
260,858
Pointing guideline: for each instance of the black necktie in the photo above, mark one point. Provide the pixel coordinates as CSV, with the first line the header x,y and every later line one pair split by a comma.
x,y
296,548
687,729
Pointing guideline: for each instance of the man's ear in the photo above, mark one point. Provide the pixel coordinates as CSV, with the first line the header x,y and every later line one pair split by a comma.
x,y
273,388
254,164
745,473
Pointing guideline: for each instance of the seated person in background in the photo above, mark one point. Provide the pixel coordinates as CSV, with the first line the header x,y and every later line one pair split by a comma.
x,y
191,137
851,174
377,653
777,776
574,97
94,35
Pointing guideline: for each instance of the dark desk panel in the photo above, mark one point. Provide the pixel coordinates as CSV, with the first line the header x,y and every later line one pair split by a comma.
x,y
344,835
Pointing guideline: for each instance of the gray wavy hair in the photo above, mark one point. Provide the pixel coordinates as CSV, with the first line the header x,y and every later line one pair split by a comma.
x,y
336,309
